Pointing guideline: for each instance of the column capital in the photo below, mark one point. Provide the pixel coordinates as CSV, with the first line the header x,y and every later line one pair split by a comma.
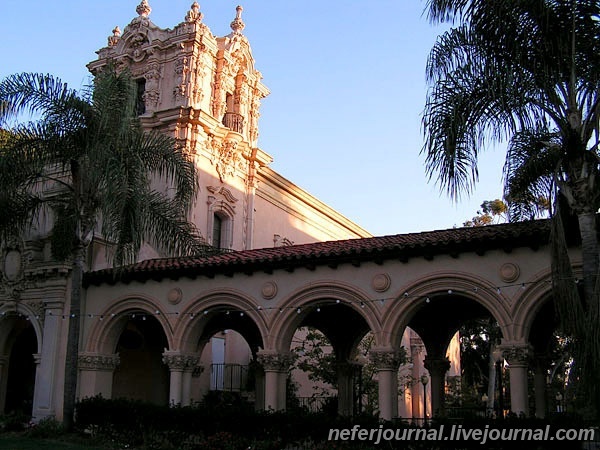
x,y
274,362
436,365
177,361
98,361
517,355
387,359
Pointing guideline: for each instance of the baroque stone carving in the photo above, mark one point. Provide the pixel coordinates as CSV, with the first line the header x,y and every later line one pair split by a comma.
x,y
181,70
194,14
224,157
97,361
143,9
281,241
152,76
237,25
381,282
386,359
226,193
180,361
274,362
517,355
269,290
14,261
116,36
437,365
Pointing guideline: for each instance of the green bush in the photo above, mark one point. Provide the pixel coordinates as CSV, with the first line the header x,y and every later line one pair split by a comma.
x,y
14,421
225,425
48,427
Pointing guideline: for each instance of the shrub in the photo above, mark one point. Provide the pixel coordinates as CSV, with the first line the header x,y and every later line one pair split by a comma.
x,y
48,427
14,421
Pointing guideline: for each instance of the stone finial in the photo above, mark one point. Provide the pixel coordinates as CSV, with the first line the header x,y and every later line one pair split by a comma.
x,y
238,25
116,35
143,9
194,14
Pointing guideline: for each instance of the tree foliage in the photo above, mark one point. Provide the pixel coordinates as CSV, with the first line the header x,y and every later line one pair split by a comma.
x,y
526,71
83,166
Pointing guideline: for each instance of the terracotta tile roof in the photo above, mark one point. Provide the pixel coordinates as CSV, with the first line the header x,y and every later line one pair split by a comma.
x,y
333,253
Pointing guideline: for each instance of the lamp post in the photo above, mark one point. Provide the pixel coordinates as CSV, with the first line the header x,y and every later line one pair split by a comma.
x,y
484,401
424,381
559,399
497,354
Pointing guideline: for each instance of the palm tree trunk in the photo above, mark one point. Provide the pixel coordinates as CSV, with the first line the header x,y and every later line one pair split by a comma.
x,y
589,249
71,370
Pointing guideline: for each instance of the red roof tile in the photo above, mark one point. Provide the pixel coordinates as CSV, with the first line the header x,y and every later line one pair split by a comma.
x,y
400,246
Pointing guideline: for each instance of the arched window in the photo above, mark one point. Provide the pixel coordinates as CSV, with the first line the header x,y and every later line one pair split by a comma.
x,y
141,90
220,218
217,231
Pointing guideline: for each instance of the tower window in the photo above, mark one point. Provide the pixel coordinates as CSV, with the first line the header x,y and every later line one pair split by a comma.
x,y
217,231
140,107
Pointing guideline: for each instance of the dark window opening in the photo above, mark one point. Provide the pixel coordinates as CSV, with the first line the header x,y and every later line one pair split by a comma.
x,y
217,231
140,107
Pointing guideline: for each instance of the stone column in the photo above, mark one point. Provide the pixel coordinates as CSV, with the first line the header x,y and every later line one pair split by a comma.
x,y
386,362
517,356
437,368
96,372
178,363
539,380
259,396
345,377
276,367
48,391
186,388
416,394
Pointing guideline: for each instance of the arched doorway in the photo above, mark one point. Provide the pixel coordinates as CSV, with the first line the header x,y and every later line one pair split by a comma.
x,y
227,341
141,374
21,345
340,329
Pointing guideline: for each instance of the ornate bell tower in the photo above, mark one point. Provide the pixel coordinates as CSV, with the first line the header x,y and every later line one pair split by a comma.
x,y
205,91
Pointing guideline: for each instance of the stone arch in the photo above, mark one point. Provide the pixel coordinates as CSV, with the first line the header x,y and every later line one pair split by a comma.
x,y
536,294
409,299
189,332
287,321
20,346
105,332
8,313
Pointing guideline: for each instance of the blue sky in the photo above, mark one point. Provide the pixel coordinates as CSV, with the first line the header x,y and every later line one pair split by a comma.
x,y
347,81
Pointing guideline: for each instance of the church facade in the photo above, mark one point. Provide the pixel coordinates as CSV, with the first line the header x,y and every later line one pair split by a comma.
x,y
294,262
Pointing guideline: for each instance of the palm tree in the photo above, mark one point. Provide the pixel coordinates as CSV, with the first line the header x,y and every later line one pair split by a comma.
x,y
85,161
526,71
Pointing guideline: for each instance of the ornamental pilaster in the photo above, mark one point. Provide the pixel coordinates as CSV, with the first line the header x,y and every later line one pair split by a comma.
x,y
98,361
274,362
386,359
517,355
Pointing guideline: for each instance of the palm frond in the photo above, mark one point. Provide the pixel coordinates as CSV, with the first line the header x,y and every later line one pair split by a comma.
x,y
531,161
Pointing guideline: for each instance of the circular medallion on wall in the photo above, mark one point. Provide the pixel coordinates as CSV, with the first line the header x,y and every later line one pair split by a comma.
x,y
381,282
12,265
269,290
13,262
174,296
509,272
